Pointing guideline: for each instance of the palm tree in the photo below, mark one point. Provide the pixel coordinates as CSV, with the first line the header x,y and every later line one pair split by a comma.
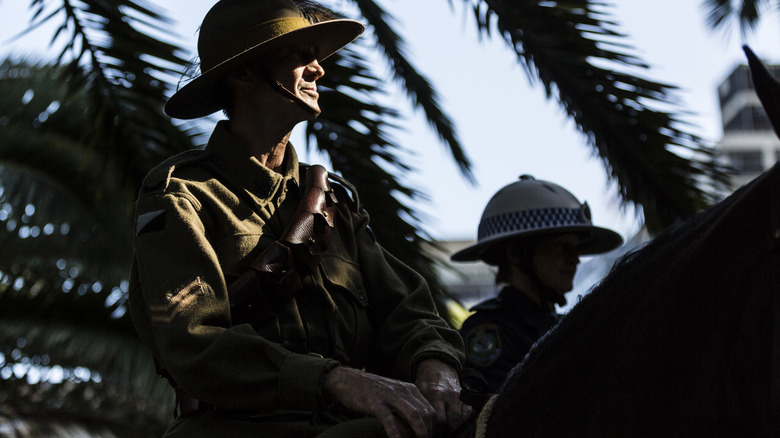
x,y
68,360
72,158
746,14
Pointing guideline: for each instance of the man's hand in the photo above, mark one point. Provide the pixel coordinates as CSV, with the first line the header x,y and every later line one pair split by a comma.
x,y
399,406
439,383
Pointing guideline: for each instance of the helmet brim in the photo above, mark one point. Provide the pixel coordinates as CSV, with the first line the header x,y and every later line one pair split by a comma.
x,y
594,240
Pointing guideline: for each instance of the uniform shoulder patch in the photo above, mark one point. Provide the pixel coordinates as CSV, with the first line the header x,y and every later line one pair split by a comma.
x,y
483,344
150,221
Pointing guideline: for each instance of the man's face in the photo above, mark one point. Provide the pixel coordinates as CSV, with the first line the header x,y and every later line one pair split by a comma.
x,y
297,69
556,260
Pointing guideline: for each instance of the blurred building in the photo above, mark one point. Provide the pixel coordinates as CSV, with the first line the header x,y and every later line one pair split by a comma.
x,y
749,144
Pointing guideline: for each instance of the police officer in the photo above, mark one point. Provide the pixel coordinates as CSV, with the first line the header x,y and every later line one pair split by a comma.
x,y
358,349
534,231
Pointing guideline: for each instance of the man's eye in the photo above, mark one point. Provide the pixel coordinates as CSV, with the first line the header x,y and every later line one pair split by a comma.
x,y
306,55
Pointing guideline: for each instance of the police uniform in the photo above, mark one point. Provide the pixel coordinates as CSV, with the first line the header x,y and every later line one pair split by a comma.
x,y
501,332
202,217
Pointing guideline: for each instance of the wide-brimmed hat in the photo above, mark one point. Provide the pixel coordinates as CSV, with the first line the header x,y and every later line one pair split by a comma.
x,y
531,207
236,31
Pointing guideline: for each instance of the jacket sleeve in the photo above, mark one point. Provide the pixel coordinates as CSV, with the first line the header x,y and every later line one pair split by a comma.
x,y
179,304
408,326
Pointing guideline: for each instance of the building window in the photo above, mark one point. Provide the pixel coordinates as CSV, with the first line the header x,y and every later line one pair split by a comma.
x,y
749,118
746,162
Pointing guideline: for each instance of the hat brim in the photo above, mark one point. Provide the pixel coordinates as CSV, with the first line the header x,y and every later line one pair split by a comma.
x,y
198,97
596,240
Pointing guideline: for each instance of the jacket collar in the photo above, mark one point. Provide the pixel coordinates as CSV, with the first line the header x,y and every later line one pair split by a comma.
x,y
525,308
246,172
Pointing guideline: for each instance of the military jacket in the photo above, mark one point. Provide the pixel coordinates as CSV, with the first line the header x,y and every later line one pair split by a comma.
x,y
202,218
501,332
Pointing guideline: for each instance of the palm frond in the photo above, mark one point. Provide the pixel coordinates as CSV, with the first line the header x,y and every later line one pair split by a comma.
x,y
69,227
71,164
632,123
354,132
721,14
417,86
78,373
115,53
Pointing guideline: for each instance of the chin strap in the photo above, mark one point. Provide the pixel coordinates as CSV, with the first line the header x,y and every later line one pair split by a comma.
x,y
278,87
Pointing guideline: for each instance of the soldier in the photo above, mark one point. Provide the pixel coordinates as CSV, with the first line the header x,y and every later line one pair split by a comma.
x,y
334,336
534,231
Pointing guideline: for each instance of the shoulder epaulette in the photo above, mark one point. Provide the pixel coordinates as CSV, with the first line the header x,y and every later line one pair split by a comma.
x,y
159,177
348,188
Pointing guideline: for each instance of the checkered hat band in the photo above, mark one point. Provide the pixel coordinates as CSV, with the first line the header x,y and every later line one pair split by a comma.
x,y
528,220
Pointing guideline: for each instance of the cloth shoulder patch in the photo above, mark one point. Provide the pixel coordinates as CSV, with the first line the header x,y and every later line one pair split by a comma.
x,y
176,302
483,344
151,221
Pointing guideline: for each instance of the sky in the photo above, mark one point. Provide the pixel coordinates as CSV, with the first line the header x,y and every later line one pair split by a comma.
x,y
504,121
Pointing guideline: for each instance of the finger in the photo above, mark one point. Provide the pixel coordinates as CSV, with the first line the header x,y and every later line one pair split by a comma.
x,y
389,421
441,410
458,413
417,413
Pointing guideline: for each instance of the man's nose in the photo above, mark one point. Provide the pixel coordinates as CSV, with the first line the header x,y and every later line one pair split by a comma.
x,y
315,70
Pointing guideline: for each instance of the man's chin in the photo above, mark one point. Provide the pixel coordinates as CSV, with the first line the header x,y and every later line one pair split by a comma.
x,y
312,109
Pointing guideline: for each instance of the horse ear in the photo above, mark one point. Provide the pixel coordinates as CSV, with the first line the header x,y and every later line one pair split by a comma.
x,y
767,88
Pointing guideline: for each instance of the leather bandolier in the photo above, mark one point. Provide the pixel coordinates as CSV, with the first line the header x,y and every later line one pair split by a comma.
x,y
274,277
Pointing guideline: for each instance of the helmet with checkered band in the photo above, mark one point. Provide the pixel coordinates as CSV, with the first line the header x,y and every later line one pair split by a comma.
x,y
531,207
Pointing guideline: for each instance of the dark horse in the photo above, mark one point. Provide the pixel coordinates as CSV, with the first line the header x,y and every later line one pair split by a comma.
x,y
681,339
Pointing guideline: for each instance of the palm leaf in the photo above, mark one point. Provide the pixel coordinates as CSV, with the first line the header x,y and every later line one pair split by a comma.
x,y
63,287
67,196
720,14
80,374
354,133
633,125
419,89
126,75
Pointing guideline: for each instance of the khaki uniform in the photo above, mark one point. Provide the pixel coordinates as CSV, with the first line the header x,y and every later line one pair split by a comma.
x,y
202,217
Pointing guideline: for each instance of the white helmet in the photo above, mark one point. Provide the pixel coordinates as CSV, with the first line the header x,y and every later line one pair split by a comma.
x,y
532,207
